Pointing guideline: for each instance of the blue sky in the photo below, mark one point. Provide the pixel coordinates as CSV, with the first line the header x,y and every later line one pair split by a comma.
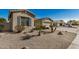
x,y
55,14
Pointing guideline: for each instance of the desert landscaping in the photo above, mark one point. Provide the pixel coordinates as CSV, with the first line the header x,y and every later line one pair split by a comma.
x,y
23,29
45,41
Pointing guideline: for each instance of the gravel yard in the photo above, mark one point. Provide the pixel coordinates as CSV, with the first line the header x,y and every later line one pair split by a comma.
x,y
45,41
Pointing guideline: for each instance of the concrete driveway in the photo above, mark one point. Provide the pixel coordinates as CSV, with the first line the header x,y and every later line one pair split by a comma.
x,y
75,43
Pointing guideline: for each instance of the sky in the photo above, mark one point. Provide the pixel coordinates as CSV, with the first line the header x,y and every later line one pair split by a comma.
x,y
54,14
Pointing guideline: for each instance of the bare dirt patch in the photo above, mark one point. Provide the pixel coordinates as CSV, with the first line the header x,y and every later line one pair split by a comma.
x,y
45,41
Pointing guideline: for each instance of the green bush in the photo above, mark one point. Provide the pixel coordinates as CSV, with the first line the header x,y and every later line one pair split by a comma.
x,y
40,27
1,27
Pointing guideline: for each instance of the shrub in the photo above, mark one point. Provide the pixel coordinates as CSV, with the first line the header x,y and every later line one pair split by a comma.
x,y
1,28
40,27
19,28
31,30
39,33
53,27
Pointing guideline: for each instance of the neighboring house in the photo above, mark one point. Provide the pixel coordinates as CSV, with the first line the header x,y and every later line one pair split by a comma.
x,y
60,22
21,17
78,22
73,22
47,22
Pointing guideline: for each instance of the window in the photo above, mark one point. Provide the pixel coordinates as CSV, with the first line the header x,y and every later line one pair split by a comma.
x,y
18,20
25,21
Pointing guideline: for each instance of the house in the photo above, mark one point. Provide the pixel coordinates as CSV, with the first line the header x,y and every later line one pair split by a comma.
x,y
59,22
21,17
46,22
73,22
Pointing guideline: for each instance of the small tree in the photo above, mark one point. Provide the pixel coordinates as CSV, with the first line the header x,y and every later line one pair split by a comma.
x,y
39,28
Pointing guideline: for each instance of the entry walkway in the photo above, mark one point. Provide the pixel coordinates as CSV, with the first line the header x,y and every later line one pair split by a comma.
x,y
75,43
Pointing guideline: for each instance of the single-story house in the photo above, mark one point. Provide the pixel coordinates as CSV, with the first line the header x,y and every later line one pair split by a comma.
x,y
73,22
59,22
28,20
21,17
46,22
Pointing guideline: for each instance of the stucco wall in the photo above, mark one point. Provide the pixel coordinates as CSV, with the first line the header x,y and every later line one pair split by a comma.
x,y
46,23
15,15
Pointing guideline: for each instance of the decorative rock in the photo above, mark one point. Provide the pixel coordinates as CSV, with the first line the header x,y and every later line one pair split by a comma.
x,y
25,47
26,37
60,33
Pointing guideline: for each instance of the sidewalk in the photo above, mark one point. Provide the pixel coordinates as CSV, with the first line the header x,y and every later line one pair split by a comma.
x,y
75,43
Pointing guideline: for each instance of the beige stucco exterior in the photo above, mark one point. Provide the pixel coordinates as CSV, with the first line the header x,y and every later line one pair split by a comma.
x,y
14,18
46,23
60,22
